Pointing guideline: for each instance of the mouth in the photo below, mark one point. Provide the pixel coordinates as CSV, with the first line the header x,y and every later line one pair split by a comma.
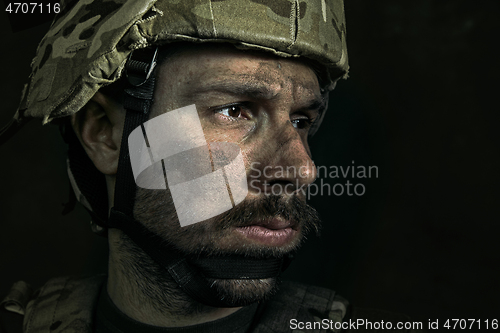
x,y
273,232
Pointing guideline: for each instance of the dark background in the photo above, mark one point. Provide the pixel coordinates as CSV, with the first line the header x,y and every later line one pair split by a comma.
x,y
421,104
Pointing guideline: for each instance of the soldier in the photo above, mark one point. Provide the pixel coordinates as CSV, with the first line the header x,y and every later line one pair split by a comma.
x,y
178,116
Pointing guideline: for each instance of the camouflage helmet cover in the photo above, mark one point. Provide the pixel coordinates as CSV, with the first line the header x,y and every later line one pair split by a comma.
x,y
88,45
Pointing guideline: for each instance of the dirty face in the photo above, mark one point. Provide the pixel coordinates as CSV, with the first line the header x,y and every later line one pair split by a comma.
x,y
265,105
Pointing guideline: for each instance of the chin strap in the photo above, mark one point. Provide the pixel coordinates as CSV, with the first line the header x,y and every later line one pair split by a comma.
x,y
191,274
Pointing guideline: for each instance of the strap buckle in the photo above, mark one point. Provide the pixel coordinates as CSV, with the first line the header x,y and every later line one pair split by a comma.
x,y
139,68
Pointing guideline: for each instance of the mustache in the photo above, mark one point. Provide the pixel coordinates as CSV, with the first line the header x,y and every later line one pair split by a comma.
x,y
156,210
272,206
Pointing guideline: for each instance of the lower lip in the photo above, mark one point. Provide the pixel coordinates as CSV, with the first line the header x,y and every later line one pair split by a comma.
x,y
268,236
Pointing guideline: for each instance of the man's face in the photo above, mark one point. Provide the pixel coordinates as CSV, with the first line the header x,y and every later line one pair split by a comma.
x,y
265,105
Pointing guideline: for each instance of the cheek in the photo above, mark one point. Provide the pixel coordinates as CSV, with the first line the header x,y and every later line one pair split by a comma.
x,y
221,130
257,154
252,150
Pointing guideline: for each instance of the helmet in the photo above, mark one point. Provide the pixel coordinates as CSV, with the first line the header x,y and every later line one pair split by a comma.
x,y
90,44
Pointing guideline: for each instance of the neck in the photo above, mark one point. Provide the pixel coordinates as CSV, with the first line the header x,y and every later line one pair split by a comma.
x,y
145,292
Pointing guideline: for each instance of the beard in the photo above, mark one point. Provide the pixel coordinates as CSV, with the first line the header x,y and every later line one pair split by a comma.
x,y
214,237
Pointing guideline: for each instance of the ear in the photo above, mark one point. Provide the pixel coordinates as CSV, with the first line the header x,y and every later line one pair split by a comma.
x,y
99,127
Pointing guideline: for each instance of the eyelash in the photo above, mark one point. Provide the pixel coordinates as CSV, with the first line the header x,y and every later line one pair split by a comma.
x,y
308,120
218,109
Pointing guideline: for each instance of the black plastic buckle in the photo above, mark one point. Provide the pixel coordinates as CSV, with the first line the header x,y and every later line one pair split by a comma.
x,y
138,68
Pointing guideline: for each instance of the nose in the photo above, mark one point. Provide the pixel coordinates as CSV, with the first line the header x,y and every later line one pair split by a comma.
x,y
286,167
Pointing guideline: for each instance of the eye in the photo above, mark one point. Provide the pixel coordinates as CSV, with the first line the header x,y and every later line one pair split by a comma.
x,y
233,111
302,122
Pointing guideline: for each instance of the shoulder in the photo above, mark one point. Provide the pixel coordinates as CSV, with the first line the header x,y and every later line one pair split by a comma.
x,y
314,298
66,302
298,307
13,307
305,308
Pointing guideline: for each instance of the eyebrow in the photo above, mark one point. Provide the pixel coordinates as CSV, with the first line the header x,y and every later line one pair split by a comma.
x,y
250,89
254,90
318,103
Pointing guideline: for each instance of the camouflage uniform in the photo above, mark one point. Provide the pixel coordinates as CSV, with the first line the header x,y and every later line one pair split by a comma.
x,y
68,305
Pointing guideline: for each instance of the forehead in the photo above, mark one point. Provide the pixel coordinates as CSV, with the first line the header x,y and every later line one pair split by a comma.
x,y
197,66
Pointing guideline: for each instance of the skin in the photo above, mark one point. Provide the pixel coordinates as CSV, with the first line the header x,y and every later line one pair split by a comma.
x,y
262,103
